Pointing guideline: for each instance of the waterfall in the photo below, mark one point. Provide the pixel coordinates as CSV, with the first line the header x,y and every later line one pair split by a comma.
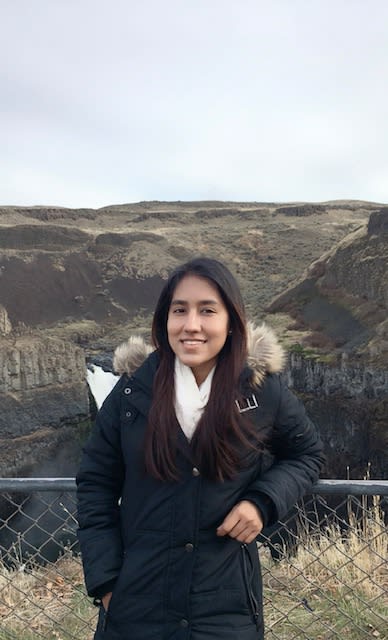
x,y
100,382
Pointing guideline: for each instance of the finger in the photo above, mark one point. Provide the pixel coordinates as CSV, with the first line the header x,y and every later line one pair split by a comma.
x,y
244,524
243,521
246,530
251,515
244,533
251,538
247,539
227,525
238,530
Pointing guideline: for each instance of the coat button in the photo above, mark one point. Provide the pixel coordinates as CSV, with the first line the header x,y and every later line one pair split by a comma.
x,y
128,414
127,390
195,471
184,623
189,547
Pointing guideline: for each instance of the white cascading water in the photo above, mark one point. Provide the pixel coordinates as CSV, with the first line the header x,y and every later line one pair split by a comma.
x,y
100,382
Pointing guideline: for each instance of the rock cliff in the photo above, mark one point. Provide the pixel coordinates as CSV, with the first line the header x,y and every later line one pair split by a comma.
x,y
43,395
5,324
349,403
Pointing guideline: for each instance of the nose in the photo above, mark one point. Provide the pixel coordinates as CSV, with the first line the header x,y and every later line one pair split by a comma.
x,y
192,321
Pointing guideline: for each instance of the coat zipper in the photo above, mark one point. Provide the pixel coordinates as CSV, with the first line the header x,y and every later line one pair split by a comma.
x,y
105,619
248,583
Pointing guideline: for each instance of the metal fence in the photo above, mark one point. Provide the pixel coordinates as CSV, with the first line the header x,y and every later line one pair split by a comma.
x,y
325,568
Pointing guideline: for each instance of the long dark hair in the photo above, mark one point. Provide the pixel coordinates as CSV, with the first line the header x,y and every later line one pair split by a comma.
x,y
220,432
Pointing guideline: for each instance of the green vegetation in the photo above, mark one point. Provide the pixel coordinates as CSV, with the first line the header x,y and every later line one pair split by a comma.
x,y
306,352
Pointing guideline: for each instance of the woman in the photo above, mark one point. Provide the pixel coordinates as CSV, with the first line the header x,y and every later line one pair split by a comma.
x,y
197,448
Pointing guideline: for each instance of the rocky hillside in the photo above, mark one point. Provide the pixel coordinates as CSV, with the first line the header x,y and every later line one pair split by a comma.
x,y
342,300
61,265
339,363
75,282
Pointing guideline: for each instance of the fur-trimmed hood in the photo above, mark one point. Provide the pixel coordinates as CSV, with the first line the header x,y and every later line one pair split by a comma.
x,y
265,355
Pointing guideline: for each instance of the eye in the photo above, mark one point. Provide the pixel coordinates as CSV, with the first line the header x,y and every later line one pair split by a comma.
x,y
207,311
177,310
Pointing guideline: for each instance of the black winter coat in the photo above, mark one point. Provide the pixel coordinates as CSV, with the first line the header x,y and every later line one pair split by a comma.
x,y
155,544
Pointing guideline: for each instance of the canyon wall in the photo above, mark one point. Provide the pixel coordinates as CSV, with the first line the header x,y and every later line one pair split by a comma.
x,y
87,278
349,404
44,398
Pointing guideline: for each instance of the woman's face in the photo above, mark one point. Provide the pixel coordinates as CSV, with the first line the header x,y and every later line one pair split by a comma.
x,y
197,325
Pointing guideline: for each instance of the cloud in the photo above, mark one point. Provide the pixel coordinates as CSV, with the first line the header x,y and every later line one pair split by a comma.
x,y
111,102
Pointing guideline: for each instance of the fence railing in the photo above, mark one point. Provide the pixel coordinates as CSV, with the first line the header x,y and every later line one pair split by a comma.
x,y
325,568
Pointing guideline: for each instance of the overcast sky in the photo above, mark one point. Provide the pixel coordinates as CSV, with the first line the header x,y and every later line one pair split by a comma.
x,y
116,101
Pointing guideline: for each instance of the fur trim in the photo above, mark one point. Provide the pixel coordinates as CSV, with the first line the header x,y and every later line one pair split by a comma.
x,y
130,355
265,355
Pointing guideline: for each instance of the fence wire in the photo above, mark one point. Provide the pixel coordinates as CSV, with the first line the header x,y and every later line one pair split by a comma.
x,y
325,569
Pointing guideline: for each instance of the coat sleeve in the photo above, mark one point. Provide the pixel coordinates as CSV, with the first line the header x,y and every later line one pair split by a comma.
x,y
297,459
99,483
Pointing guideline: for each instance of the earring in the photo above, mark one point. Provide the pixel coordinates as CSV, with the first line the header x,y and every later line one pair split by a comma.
x,y
230,332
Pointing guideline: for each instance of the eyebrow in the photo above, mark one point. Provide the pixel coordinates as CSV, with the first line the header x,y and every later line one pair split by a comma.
x,y
183,302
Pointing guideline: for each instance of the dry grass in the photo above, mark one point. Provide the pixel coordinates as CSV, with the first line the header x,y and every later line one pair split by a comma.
x,y
45,602
334,587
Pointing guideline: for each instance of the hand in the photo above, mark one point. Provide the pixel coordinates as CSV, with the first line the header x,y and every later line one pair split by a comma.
x,y
106,600
243,522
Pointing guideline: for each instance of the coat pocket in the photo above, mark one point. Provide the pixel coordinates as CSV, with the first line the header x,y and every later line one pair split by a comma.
x,y
102,622
249,575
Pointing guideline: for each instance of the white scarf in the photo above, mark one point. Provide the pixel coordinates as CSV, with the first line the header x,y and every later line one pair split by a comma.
x,y
190,400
